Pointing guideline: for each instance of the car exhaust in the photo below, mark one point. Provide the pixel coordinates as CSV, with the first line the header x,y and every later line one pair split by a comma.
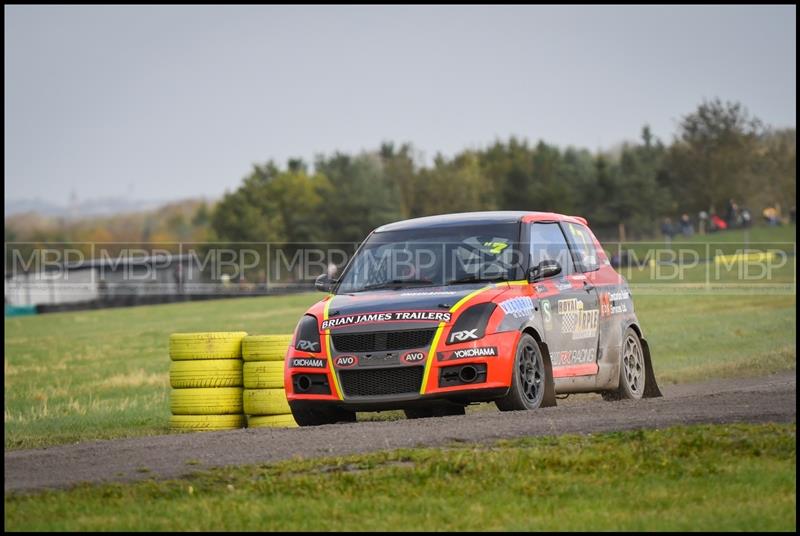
x,y
468,374
462,374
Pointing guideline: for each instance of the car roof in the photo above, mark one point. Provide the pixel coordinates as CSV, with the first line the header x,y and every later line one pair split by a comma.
x,y
466,218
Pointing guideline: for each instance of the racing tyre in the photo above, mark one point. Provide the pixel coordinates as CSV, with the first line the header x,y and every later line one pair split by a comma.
x,y
532,383
215,345
206,401
265,402
265,347
206,422
632,369
271,421
263,375
436,411
311,416
206,373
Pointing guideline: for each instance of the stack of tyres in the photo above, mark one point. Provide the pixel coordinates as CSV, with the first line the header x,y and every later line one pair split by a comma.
x,y
206,379
264,397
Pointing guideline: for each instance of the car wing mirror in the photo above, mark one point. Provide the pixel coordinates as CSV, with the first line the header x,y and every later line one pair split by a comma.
x,y
324,283
546,268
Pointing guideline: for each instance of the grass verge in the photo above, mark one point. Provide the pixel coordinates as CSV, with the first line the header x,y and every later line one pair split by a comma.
x,y
711,477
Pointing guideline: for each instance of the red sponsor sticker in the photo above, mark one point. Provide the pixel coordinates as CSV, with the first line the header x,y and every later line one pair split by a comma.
x,y
605,304
345,361
413,357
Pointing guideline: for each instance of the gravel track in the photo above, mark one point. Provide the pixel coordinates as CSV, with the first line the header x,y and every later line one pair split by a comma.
x,y
755,400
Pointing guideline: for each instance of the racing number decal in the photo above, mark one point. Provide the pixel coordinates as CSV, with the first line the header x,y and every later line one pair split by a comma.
x,y
495,248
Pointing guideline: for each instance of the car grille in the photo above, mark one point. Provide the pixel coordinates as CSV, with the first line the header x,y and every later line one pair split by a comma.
x,y
388,381
383,340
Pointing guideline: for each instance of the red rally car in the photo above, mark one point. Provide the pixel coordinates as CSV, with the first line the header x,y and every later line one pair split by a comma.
x,y
432,314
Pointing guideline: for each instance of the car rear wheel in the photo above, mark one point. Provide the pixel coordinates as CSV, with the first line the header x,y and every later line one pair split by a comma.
x,y
529,380
311,416
435,411
632,369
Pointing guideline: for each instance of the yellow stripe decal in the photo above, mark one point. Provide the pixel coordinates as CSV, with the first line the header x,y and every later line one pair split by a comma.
x,y
328,349
431,356
437,336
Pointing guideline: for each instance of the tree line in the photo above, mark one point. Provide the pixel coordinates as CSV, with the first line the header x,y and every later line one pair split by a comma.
x,y
720,152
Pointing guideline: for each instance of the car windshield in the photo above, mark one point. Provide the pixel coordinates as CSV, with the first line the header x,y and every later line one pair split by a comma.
x,y
435,257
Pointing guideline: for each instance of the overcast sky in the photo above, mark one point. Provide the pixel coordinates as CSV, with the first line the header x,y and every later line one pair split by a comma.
x,y
171,102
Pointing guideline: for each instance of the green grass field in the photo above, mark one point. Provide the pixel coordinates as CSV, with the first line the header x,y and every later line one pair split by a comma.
x,y
718,478
682,261
104,373
783,237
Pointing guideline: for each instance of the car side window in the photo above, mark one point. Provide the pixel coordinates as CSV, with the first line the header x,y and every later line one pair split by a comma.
x,y
582,246
548,243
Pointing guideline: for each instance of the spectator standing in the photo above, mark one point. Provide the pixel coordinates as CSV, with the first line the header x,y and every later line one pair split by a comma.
x,y
747,218
732,214
686,225
702,221
667,230
771,216
178,278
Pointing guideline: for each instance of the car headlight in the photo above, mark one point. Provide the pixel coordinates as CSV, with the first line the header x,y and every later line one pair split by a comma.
x,y
307,335
471,325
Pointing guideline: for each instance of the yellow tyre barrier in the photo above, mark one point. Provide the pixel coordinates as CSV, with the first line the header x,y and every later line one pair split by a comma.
x,y
213,345
265,402
263,375
206,373
206,401
265,347
271,421
206,422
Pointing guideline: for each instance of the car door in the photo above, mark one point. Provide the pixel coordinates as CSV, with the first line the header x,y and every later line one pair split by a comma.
x,y
568,304
585,335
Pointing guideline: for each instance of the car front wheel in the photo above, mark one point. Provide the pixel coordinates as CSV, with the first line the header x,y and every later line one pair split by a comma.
x,y
531,379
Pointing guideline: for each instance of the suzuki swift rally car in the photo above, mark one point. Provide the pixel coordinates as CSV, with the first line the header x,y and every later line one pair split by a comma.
x,y
432,314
